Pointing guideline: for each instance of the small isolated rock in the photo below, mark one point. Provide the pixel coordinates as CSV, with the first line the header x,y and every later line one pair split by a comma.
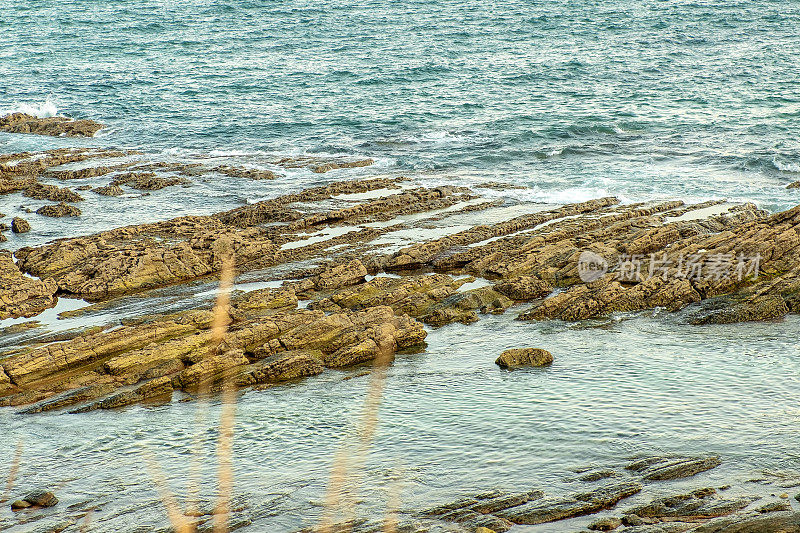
x,y
41,498
606,524
59,210
794,185
19,504
108,190
524,357
20,225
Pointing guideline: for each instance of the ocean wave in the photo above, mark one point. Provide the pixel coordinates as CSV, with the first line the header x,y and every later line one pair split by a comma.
x,y
44,110
786,166
556,196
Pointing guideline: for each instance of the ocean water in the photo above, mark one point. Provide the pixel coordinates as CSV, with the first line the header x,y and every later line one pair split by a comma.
x,y
639,99
643,99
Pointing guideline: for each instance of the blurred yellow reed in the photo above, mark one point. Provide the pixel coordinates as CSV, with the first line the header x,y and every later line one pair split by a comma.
x,y
178,519
12,472
343,487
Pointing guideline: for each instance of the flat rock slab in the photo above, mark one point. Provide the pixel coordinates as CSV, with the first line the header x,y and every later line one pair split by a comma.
x,y
662,468
552,509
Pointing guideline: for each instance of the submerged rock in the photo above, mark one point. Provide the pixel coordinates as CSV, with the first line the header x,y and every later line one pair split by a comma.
x,y
553,509
518,357
699,504
53,126
37,498
661,468
59,210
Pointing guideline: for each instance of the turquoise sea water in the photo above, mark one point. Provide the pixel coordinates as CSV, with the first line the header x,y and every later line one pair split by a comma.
x,y
678,99
643,99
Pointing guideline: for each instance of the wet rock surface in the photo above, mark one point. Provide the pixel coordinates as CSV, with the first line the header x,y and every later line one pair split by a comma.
x,y
53,126
599,508
59,210
20,295
20,225
519,357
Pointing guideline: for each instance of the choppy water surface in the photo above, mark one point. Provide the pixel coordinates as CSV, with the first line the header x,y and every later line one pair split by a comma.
x,y
684,99
452,421
643,99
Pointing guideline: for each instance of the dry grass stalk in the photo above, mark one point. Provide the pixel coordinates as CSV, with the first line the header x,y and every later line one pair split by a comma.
x,y
12,472
343,487
178,519
87,520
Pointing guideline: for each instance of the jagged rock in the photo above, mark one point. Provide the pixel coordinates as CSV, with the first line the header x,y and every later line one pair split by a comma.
x,y
320,165
70,397
794,185
37,363
442,316
773,523
661,468
524,288
524,357
266,299
550,510
147,181
597,475
87,172
59,210
20,225
153,388
605,524
477,511
282,367
209,368
760,308
53,126
249,173
413,295
699,504
42,191
20,295
325,167
109,190
773,507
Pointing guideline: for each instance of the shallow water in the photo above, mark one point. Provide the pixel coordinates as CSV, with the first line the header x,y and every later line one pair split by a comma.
x,y
646,100
451,421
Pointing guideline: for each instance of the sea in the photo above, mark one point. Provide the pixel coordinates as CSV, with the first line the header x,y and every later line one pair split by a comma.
x,y
639,99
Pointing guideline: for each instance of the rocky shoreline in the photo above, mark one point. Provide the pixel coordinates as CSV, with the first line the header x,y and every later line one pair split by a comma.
x,y
359,299
359,269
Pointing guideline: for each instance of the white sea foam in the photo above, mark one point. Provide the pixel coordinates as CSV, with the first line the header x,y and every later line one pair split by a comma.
x,y
785,166
434,137
44,110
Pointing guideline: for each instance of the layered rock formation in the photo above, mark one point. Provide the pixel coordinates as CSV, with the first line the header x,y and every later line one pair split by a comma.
x,y
53,126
